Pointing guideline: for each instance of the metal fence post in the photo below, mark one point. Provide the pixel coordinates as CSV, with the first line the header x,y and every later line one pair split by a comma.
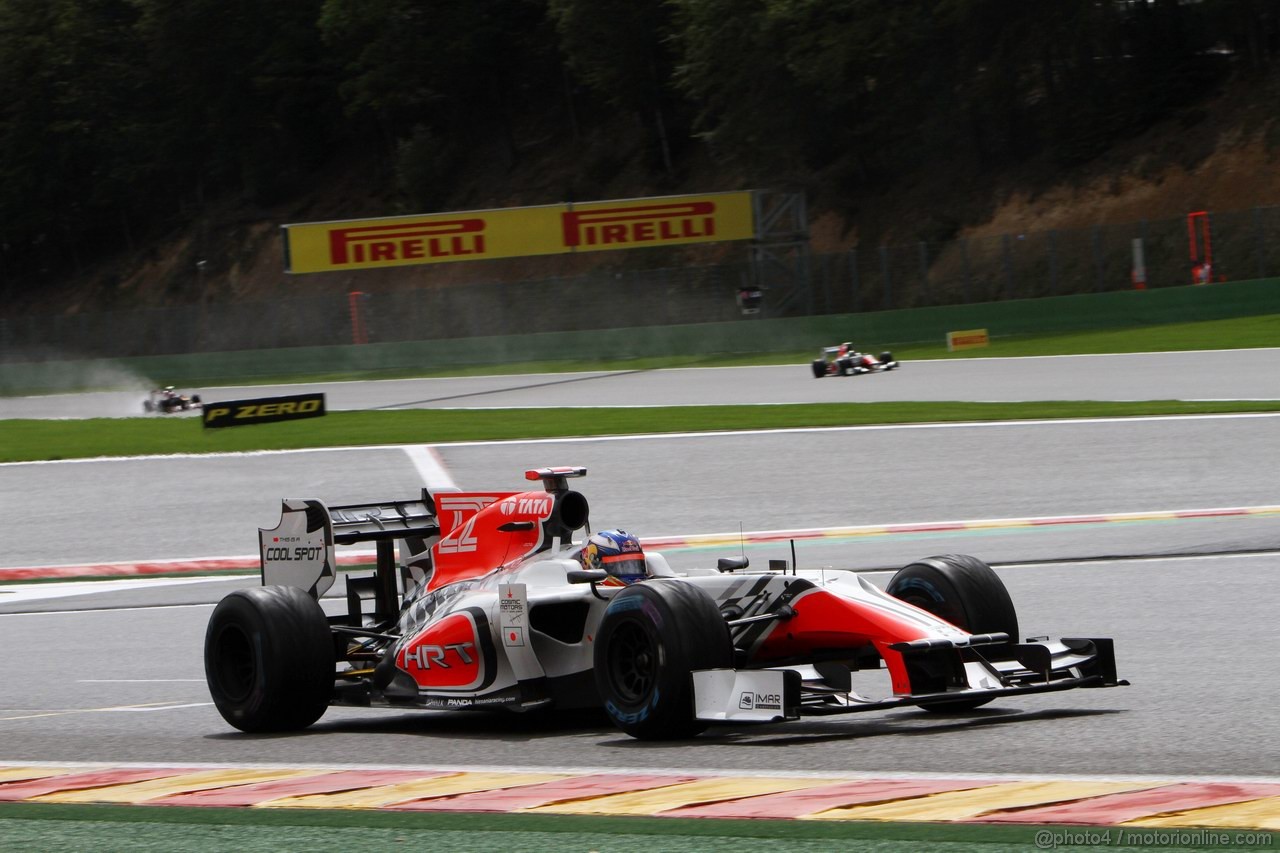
x,y
854,281
1006,259
1258,244
1142,234
1097,257
826,284
884,277
1053,262
924,272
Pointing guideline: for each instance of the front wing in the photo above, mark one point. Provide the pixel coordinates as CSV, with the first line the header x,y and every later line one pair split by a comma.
x,y
940,673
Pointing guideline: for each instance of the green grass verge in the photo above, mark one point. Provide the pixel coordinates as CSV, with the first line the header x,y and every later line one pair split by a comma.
x,y
29,440
64,827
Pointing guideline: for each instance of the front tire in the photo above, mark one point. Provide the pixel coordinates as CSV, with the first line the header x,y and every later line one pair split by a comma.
x,y
653,635
967,593
269,659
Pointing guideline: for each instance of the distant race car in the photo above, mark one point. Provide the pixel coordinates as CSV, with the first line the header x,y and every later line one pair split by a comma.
x,y
493,605
167,401
844,360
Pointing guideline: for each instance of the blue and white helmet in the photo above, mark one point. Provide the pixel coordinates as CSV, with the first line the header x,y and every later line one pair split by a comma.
x,y
616,552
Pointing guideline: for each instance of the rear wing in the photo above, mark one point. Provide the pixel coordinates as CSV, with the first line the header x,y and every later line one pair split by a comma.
x,y
299,551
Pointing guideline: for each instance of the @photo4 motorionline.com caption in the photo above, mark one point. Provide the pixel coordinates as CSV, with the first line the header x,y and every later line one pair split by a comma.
x,y
1049,839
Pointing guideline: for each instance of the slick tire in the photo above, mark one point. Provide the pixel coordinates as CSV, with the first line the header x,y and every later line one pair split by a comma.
x,y
269,659
886,358
819,368
964,591
653,635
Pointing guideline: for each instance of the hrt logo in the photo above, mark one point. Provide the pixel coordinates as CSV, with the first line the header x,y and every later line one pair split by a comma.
x,y
641,223
448,654
406,241
426,656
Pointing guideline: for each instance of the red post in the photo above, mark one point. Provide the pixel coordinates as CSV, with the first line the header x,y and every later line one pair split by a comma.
x,y
358,333
1200,242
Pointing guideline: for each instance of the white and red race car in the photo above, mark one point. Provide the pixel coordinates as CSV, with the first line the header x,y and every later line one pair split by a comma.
x,y
489,606
167,400
845,360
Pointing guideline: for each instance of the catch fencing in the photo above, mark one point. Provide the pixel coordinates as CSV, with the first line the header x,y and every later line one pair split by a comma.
x,y
1245,245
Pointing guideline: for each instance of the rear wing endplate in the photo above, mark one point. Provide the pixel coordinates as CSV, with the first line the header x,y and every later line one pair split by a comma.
x,y
299,551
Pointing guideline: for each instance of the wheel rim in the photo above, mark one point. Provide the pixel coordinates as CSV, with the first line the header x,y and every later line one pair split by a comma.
x,y
632,664
236,668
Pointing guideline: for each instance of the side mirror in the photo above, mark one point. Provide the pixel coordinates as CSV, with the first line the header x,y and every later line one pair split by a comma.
x,y
732,564
584,576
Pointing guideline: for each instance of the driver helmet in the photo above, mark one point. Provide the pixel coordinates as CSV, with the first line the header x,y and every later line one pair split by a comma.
x,y
616,552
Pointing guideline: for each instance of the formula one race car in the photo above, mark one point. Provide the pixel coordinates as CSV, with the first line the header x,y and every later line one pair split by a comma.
x,y
844,360
493,605
166,401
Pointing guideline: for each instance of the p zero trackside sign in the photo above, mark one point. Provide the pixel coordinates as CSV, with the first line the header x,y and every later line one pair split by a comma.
x,y
263,410
517,232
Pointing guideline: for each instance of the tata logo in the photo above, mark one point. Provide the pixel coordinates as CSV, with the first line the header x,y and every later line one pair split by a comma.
x,y
639,223
436,657
526,506
407,241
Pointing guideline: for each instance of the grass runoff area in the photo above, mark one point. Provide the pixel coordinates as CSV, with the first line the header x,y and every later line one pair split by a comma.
x,y
32,440
49,827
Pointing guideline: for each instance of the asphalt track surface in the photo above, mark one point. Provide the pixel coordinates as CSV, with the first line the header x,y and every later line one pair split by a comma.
x,y
1217,375
117,674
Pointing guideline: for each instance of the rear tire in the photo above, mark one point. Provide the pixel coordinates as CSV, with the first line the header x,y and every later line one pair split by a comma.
x,y
819,368
269,659
967,593
653,635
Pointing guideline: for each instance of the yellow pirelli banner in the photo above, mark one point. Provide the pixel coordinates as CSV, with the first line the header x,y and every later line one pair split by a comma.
x,y
515,232
967,339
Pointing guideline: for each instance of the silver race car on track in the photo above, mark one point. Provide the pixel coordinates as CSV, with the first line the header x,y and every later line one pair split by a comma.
x,y
492,603
845,360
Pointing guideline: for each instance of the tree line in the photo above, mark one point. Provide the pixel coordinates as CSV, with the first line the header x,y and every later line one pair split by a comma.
x,y
119,118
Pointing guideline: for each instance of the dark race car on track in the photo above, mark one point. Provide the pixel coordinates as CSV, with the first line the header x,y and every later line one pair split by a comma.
x,y
166,401
492,604
844,360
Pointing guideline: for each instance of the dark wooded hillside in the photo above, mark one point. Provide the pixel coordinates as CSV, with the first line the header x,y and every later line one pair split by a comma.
x,y
121,120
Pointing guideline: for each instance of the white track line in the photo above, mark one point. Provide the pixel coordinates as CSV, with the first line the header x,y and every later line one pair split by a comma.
x,y
430,467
